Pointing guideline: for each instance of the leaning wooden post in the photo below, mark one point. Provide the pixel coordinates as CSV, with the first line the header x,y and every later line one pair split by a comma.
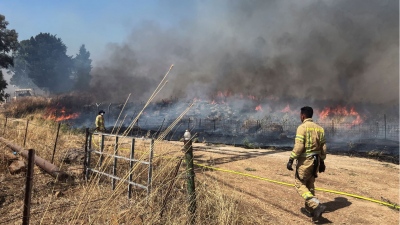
x,y
190,175
28,187
55,142
26,131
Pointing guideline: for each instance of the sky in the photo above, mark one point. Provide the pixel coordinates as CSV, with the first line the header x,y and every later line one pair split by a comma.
x,y
94,23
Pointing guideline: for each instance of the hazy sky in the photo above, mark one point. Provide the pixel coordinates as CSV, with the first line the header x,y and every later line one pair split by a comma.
x,y
94,23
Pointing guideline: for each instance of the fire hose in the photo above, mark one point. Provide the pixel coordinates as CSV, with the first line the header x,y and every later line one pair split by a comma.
x,y
395,206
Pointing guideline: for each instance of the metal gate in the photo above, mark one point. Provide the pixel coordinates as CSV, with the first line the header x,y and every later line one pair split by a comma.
x,y
99,167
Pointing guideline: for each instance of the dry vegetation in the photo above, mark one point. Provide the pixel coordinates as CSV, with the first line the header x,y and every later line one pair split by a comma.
x,y
93,202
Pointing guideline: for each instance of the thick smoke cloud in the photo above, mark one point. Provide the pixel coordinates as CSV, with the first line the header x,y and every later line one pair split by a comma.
x,y
342,51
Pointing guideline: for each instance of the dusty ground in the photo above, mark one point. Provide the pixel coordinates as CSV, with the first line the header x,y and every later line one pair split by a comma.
x,y
278,204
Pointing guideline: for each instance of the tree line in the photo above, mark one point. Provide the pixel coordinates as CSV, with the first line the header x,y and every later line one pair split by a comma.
x,y
42,62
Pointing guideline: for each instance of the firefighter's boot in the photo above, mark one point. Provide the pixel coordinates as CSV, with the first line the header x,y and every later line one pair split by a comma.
x,y
309,210
318,212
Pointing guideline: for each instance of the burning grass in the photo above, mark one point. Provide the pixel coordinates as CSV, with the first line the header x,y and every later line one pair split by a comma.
x,y
58,108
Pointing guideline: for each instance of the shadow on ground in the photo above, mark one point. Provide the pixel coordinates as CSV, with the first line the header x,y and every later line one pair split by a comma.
x,y
338,203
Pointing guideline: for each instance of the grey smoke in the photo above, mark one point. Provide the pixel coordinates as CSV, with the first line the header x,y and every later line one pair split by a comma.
x,y
342,51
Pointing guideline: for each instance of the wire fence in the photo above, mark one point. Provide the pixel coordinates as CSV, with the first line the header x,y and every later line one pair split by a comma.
x,y
269,130
44,137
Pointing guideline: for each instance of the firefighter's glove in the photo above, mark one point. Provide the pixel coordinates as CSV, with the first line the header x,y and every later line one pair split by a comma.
x,y
289,164
321,166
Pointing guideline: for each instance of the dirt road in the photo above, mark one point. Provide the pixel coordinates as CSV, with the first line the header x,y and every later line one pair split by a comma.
x,y
271,203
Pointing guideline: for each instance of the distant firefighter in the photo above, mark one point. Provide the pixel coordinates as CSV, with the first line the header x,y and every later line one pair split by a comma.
x,y
310,152
100,122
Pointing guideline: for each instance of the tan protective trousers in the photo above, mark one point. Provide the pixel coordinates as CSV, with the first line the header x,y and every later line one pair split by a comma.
x,y
305,185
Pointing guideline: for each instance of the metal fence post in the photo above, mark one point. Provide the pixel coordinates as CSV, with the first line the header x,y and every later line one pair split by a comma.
x,y
108,114
384,117
159,129
138,128
132,155
28,187
55,142
190,176
214,124
115,163
26,131
150,172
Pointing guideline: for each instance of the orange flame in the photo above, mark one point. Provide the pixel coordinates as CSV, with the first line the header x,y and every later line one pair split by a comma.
x,y
67,117
341,112
258,108
286,109
64,116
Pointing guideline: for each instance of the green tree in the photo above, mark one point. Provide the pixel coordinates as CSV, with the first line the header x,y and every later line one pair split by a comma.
x,y
43,61
82,68
8,43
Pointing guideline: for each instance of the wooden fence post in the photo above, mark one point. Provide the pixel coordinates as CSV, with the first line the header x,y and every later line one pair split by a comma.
x,y
101,150
85,162
5,127
55,142
26,131
28,187
190,176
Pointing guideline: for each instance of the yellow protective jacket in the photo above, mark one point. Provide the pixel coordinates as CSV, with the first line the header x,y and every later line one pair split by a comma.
x,y
310,140
100,123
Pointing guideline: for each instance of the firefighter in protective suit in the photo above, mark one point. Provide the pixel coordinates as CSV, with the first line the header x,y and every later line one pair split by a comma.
x,y
100,122
310,152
